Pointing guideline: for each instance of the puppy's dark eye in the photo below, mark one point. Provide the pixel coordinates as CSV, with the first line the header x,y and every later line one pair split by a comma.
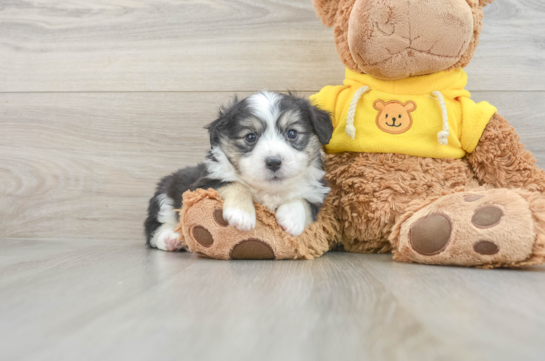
x,y
386,116
400,115
292,134
251,138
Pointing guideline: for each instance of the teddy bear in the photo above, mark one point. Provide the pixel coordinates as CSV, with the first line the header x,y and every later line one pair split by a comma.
x,y
415,166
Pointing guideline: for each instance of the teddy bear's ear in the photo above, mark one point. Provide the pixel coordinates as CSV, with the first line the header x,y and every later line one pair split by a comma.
x,y
410,106
485,2
225,114
379,105
327,10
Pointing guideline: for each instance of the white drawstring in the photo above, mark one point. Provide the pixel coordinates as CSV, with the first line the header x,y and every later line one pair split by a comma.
x,y
350,129
443,135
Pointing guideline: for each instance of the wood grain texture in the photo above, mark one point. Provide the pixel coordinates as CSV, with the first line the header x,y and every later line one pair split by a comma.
x,y
115,300
222,45
84,165
80,165
166,45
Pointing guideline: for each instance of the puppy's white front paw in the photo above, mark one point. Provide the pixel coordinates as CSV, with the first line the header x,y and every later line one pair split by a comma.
x,y
292,217
167,240
240,219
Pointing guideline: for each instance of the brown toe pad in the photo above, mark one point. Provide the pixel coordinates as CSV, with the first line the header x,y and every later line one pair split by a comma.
x,y
252,249
486,248
473,198
487,217
202,236
431,234
218,216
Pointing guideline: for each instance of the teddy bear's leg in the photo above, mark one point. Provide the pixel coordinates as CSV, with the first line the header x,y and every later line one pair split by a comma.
x,y
483,228
369,192
206,233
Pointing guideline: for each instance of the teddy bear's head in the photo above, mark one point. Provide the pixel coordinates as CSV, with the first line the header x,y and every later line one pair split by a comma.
x,y
396,39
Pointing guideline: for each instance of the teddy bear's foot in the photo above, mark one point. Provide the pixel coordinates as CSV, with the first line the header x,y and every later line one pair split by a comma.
x,y
494,228
208,234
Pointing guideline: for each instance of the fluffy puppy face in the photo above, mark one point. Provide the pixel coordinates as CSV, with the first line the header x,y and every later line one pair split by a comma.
x,y
270,139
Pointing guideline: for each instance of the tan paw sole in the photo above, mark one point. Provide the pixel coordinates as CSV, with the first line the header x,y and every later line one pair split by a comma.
x,y
481,228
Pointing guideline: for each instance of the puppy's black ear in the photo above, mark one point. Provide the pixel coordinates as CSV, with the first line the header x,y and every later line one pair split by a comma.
x,y
214,129
224,113
321,122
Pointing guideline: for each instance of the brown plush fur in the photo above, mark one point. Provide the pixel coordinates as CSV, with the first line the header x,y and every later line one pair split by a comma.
x,y
326,10
340,31
370,191
537,207
500,160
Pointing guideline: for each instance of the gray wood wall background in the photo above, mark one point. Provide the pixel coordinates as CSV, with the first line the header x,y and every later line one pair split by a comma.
x,y
98,99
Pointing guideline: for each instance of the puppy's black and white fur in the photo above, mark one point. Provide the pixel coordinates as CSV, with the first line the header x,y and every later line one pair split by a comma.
x,y
267,149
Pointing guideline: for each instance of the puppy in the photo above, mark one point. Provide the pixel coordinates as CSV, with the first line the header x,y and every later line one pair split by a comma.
x,y
267,149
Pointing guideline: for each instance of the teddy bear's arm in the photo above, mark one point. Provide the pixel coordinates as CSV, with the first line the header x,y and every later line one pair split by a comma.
x,y
500,159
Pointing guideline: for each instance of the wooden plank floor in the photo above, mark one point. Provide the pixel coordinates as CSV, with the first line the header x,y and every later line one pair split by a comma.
x,y
98,99
115,300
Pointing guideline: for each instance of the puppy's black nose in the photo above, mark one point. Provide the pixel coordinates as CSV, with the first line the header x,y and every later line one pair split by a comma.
x,y
273,163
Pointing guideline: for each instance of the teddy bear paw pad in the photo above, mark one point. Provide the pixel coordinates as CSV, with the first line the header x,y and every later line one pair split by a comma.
x,y
202,236
468,229
486,248
473,197
252,249
487,217
430,235
218,216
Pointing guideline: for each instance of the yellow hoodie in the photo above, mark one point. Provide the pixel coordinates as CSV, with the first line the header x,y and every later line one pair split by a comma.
x,y
425,116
